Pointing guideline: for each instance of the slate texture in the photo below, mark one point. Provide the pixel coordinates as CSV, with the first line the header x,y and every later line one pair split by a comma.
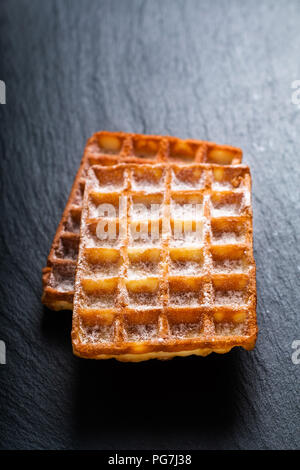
x,y
218,70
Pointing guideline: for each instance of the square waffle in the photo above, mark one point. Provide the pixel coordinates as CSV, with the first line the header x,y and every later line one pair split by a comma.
x,y
109,148
165,264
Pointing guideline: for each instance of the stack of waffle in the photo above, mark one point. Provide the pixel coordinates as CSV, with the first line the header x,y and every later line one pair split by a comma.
x,y
154,250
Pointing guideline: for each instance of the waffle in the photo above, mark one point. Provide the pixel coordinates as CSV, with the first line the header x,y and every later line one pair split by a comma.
x,y
107,148
165,264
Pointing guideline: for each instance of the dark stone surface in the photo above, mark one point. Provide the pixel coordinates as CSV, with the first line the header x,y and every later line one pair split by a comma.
x,y
217,70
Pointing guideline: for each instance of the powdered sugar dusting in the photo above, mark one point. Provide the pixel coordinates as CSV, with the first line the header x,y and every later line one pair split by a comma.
x,y
184,298
96,334
185,330
141,332
187,268
229,266
229,297
230,328
227,238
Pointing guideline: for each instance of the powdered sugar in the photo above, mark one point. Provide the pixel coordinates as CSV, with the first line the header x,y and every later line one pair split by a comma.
x,y
230,328
227,238
186,268
229,265
185,330
184,298
141,332
229,297
96,334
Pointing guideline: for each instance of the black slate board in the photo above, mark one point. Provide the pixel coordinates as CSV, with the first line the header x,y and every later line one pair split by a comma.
x,y
217,70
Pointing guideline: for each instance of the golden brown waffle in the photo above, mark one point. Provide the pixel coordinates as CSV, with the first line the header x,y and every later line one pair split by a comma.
x,y
109,148
187,289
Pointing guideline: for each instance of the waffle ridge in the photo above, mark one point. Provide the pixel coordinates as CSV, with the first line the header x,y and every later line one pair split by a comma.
x,y
108,149
180,292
